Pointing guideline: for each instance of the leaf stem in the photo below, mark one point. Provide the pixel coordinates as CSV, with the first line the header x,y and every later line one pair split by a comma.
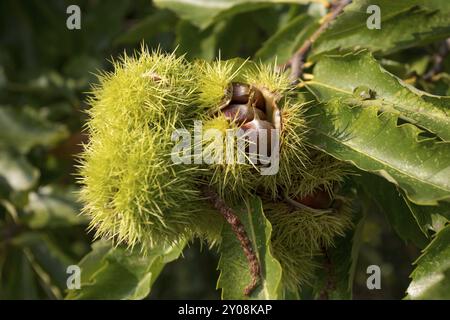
x,y
241,235
296,62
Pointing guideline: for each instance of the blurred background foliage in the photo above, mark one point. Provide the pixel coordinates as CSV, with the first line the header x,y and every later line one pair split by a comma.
x,y
45,74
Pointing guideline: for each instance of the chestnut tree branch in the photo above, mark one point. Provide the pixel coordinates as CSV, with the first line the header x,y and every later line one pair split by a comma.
x,y
241,235
296,62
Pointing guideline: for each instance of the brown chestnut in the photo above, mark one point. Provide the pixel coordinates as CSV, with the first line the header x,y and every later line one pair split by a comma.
x,y
241,93
259,114
319,199
242,113
257,99
258,126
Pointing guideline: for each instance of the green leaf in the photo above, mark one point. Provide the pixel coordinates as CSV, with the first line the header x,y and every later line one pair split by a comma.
x,y
203,13
19,174
48,259
390,201
351,75
374,142
287,40
109,272
25,128
196,43
235,273
404,24
42,266
51,209
158,22
431,277
430,217
232,41
17,278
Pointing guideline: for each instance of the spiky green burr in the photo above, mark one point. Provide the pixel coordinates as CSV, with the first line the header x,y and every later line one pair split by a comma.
x,y
216,81
132,190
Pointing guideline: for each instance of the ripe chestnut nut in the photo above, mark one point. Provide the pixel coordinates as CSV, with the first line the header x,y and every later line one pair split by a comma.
x,y
242,113
319,199
258,126
241,93
257,99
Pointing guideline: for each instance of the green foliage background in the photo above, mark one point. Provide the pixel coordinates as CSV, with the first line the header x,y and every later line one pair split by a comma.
x,y
46,71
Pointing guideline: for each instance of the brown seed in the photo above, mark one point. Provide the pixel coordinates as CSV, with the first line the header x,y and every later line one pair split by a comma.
x,y
318,200
241,93
242,113
258,126
257,99
259,114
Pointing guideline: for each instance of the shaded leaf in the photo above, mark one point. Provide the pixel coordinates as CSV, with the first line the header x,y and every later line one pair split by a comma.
x,y
235,273
48,260
146,28
42,265
16,170
48,208
17,278
287,40
25,128
390,201
431,277
119,273
202,13
430,217
404,24
196,43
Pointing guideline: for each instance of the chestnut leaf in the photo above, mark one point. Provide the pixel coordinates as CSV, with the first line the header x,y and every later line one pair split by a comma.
x,y
235,273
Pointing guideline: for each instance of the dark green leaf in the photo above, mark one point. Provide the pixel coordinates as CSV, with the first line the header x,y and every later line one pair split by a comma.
x,y
48,259
431,277
404,24
146,28
196,43
17,280
202,13
430,217
390,201
287,40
